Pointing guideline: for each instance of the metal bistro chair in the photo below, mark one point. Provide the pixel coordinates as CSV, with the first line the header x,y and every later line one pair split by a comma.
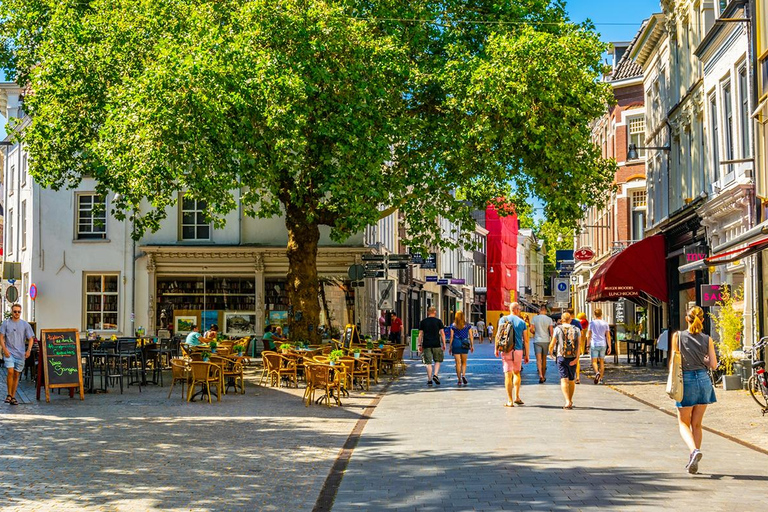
x,y
127,356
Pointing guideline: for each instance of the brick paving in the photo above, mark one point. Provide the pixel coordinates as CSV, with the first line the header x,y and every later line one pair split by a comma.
x,y
459,449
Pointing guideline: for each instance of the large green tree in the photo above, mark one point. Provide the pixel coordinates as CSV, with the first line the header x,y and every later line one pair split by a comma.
x,y
330,113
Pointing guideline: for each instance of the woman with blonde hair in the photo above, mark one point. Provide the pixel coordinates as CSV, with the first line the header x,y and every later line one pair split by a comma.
x,y
698,354
462,342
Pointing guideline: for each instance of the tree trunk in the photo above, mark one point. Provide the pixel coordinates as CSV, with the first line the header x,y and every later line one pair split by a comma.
x,y
303,238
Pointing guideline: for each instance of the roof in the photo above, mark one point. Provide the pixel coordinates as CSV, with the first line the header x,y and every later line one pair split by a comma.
x,y
627,67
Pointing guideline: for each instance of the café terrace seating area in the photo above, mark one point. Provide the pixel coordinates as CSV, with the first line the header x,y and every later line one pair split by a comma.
x,y
209,372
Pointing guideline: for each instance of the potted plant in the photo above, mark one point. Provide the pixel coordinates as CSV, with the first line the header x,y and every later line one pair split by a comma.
x,y
369,346
729,323
356,353
334,356
206,356
285,347
238,349
213,344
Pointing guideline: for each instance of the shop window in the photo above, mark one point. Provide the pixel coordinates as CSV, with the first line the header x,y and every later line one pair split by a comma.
x,y
637,134
101,302
194,225
91,217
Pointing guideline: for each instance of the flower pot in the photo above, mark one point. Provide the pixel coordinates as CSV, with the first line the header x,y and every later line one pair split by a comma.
x,y
332,363
370,350
213,350
731,382
357,355
240,354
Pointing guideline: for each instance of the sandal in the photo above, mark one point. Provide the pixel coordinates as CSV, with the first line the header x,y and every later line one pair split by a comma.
x,y
519,402
8,399
568,407
509,404
14,401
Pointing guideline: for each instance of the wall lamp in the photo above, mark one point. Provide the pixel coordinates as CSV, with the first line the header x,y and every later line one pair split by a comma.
x,y
632,153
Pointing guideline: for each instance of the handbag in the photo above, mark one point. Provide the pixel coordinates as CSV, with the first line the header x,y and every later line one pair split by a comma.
x,y
675,378
465,344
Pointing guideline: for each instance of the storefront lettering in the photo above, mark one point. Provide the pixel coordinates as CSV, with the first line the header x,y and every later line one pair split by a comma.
x,y
695,256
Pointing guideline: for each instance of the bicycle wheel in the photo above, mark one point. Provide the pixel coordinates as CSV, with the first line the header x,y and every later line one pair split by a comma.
x,y
757,392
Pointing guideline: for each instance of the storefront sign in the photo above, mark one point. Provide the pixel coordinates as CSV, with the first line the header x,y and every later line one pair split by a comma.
x,y
431,279
61,360
457,281
442,281
711,294
584,254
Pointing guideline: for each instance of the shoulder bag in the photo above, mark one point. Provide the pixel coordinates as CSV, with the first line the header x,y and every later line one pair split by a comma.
x,y
675,378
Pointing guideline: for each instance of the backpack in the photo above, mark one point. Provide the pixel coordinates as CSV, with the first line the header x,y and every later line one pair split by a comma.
x,y
505,337
569,341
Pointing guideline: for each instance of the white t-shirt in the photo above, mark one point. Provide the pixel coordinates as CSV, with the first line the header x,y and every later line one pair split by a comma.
x,y
598,328
541,324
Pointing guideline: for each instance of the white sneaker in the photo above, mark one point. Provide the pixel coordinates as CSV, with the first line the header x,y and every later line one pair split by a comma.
x,y
693,462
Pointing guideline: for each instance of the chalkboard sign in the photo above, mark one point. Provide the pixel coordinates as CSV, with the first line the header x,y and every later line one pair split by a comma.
x,y
61,360
350,336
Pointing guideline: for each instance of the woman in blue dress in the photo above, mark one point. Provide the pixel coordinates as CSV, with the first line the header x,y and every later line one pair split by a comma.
x,y
462,343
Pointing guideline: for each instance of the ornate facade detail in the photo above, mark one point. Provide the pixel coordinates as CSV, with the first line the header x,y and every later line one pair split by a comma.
x,y
258,264
151,266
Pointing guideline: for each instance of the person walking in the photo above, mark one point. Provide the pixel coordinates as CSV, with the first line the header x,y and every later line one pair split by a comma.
x,y
512,361
383,326
565,347
462,343
599,344
480,330
490,333
577,323
395,329
432,345
15,333
698,354
542,328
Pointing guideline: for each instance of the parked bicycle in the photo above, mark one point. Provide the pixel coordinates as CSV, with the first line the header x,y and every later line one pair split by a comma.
x,y
758,382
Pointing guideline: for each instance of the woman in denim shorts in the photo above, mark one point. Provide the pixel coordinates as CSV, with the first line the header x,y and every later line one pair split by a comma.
x,y
698,354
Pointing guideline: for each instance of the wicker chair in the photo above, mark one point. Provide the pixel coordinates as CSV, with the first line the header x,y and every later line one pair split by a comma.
x,y
207,375
361,369
233,374
322,376
180,372
278,366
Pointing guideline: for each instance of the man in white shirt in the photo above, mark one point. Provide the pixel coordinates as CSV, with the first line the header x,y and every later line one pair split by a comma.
x,y
480,330
599,341
542,328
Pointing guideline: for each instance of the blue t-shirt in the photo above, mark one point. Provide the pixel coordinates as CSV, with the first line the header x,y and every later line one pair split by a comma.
x,y
461,334
16,335
519,326
193,339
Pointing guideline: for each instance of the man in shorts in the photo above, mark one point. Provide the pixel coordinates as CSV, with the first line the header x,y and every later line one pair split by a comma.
x,y
480,330
512,361
432,345
566,366
542,328
599,341
16,340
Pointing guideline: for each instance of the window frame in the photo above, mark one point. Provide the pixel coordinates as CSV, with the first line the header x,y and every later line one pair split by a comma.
x,y
198,210
9,232
11,175
93,234
729,146
744,114
101,293
23,177
641,153
23,225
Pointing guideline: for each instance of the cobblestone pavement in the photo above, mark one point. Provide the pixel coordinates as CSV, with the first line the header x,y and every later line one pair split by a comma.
x,y
262,451
459,449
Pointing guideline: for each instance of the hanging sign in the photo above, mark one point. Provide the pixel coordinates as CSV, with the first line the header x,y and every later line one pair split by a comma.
x,y
584,254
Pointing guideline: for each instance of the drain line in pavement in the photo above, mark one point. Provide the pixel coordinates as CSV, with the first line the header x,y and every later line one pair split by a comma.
x,y
708,429
333,480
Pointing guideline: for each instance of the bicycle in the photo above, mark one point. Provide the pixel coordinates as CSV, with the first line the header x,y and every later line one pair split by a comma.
x,y
758,382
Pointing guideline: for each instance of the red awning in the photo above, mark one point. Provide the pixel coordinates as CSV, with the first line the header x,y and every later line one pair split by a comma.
x,y
638,270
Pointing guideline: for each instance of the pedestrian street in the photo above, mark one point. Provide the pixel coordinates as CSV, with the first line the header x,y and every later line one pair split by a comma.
x,y
457,449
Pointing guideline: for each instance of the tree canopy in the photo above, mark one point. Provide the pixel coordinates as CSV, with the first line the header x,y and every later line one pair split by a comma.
x,y
329,112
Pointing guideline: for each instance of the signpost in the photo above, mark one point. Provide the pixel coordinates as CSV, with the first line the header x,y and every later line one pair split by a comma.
x,y
61,360
562,291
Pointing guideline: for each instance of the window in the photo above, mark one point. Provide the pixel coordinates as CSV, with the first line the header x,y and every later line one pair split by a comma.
x,y
23,226
11,174
715,137
744,112
91,217
24,170
101,302
10,232
728,123
639,204
193,223
637,134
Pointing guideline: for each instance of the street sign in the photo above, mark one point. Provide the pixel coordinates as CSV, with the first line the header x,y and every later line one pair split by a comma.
x,y
566,267
385,291
584,254
11,294
399,265
431,279
373,257
400,257
430,262
562,290
356,272
33,291
373,273
442,281
11,270
448,275
417,259
374,266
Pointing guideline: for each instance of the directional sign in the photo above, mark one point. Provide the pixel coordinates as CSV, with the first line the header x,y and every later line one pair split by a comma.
x,y
431,261
431,279
385,291
418,259
373,257
399,257
374,266
399,265
374,273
